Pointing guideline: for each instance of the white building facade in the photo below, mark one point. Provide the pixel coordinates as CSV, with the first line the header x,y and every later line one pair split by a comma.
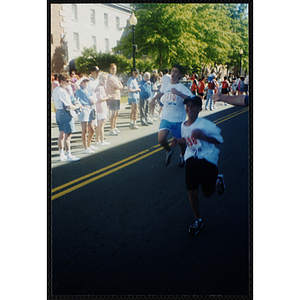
x,y
93,25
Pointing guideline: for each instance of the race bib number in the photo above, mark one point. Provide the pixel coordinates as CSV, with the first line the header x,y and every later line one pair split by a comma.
x,y
193,144
170,98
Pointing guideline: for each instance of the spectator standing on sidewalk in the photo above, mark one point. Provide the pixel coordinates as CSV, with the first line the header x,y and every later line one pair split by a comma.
x,y
194,86
211,86
225,88
64,120
173,113
85,98
101,108
93,83
145,97
133,98
241,86
201,87
246,84
94,79
155,86
113,88
55,82
166,79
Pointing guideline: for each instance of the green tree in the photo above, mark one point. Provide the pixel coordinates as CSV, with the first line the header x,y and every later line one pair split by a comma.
x,y
195,35
240,35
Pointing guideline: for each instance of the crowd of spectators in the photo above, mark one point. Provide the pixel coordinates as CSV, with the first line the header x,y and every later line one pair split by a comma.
x,y
96,97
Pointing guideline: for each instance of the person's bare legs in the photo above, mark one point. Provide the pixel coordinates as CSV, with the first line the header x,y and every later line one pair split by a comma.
x,y
84,127
162,139
90,135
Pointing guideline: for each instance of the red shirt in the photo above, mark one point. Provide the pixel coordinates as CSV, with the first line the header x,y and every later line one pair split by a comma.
x,y
194,86
201,87
225,84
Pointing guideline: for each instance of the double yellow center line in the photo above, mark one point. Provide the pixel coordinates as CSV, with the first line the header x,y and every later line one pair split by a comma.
x,y
89,178
103,172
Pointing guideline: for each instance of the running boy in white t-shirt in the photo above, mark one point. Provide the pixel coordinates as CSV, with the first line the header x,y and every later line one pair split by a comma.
x,y
173,113
201,156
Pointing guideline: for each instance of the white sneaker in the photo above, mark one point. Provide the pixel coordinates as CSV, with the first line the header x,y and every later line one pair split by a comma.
x,y
93,147
72,158
104,144
88,151
117,130
63,157
113,132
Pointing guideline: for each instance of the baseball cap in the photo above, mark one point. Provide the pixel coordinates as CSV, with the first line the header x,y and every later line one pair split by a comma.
x,y
136,71
195,99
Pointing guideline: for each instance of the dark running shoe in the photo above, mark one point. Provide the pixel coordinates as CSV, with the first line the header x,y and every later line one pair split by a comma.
x,y
181,161
168,157
222,186
194,229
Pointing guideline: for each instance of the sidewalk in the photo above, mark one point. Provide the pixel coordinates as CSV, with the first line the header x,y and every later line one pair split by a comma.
x,y
125,136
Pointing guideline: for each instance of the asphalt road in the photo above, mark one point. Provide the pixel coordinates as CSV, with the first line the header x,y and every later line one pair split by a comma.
x,y
119,221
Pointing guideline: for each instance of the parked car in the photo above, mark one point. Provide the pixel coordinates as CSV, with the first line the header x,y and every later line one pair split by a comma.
x,y
188,84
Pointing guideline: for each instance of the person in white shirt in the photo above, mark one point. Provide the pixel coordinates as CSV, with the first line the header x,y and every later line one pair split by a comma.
x,y
166,78
93,83
64,120
173,113
201,156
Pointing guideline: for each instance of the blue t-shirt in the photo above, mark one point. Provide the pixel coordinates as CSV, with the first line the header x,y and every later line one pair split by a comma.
x,y
132,82
84,97
145,89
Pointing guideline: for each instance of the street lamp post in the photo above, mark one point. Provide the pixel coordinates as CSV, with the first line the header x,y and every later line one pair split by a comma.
x,y
133,22
241,53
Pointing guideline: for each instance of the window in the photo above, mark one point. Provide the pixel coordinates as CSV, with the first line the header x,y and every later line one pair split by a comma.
x,y
118,22
76,41
74,12
94,42
106,20
107,45
93,17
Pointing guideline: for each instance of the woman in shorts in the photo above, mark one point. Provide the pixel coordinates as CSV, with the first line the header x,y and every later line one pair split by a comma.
x,y
114,87
85,98
64,120
101,107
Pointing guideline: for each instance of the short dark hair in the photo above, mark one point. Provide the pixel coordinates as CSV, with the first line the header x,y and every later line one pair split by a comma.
x,y
63,77
196,100
179,67
95,68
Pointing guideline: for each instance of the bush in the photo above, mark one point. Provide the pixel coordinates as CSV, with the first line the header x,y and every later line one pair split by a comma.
x,y
91,58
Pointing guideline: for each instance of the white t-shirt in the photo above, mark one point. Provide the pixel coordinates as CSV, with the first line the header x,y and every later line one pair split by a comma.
x,y
93,84
60,97
173,109
199,148
165,79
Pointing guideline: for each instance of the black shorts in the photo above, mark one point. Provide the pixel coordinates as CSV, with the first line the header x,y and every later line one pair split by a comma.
x,y
200,172
201,94
225,91
113,104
